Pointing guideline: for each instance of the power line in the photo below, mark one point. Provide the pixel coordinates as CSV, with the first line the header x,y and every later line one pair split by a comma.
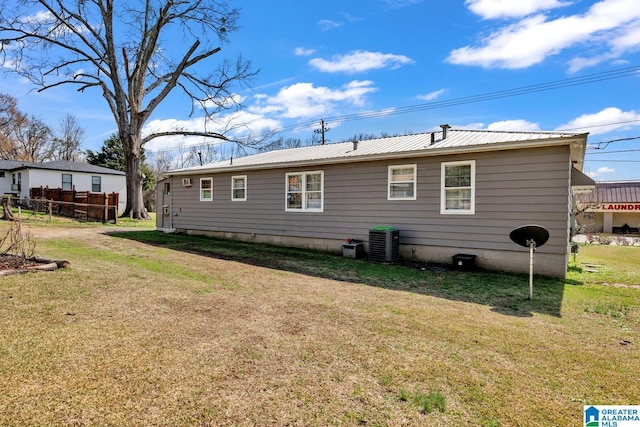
x,y
524,90
604,144
612,161
617,151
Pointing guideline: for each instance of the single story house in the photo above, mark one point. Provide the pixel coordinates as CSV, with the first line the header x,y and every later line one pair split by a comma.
x,y
612,207
17,177
446,193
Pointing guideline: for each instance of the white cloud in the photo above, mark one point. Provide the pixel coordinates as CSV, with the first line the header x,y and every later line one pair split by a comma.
x,y
301,51
327,24
235,125
600,171
228,102
514,125
398,4
492,9
431,95
359,61
611,27
624,39
303,100
603,121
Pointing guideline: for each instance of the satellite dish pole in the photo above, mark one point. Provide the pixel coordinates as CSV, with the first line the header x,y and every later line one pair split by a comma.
x,y
532,249
530,236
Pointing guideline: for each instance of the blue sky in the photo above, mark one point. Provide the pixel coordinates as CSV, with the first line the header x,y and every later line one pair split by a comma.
x,y
338,60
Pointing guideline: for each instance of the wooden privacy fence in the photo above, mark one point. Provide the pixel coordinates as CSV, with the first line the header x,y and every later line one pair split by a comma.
x,y
101,207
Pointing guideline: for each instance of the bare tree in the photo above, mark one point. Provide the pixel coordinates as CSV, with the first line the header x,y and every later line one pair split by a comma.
x,y
33,141
126,52
11,119
69,139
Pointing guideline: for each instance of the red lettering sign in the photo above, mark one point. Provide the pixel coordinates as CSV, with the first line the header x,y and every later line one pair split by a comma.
x,y
621,207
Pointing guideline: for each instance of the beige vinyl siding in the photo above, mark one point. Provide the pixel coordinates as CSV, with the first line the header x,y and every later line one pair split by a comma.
x,y
513,188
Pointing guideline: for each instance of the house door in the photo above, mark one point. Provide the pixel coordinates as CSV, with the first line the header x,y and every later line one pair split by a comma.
x,y
165,206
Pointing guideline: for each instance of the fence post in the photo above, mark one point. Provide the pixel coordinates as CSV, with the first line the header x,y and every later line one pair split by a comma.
x,y
50,209
115,200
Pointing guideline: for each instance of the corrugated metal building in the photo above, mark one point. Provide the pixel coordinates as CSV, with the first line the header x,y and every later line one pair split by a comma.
x,y
612,207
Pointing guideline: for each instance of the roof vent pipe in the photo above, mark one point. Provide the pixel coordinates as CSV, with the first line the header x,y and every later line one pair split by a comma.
x,y
445,128
433,138
355,145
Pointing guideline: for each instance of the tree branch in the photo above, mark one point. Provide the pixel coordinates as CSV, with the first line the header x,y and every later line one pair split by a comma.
x,y
214,135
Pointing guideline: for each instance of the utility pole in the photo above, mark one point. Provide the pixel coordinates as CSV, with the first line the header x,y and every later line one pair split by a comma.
x,y
322,130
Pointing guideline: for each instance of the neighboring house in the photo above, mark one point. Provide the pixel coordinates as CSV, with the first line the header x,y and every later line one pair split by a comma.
x,y
447,193
17,177
612,207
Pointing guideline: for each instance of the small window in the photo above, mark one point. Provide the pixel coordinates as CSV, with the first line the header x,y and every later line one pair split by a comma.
x,y
458,187
96,184
206,189
402,182
239,188
167,188
305,192
67,181
1,174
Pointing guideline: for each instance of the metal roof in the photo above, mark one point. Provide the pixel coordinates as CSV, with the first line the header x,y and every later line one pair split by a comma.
x,y
613,192
61,165
457,140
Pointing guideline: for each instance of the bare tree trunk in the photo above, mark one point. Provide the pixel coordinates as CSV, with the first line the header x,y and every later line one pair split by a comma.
x,y
6,209
135,201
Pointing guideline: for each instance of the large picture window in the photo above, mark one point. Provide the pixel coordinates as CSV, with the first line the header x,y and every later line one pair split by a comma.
x,y
239,188
402,182
458,187
305,191
67,181
206,189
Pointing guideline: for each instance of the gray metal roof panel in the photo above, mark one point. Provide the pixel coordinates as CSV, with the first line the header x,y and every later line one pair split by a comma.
x,y
380,147
613,192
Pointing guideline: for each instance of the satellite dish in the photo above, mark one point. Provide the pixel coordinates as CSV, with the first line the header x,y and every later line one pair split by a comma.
x,y
526,234
530,236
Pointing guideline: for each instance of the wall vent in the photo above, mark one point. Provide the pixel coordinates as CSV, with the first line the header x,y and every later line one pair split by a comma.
x,y
186,182
384,245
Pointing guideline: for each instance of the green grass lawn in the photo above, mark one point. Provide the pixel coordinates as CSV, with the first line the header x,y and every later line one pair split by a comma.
x,y
147,328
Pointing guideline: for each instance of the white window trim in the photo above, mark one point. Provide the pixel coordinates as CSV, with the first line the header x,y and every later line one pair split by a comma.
x,y
304,190
206,199
238,199
99,183
70,180
415,182
443,197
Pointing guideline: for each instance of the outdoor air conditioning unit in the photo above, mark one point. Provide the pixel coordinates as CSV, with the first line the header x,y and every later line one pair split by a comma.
x,y
186,182
384,244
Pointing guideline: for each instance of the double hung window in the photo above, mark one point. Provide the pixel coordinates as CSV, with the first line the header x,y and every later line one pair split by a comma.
x,y
206,189
239,188
458,187
67,181
402,182
305,191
